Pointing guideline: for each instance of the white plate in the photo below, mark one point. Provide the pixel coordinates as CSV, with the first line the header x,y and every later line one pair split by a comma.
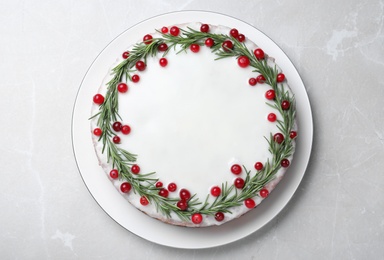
x,y
132,219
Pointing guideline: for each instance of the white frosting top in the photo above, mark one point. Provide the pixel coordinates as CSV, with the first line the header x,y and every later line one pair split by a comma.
x,y
191,121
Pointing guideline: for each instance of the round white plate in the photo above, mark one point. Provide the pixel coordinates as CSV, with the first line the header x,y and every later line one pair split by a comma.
x,y
135,221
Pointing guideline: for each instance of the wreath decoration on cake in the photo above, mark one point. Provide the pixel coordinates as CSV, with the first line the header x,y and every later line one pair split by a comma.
x,y
188,207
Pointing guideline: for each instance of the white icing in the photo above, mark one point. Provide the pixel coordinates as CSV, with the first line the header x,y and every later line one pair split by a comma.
x,y
191,121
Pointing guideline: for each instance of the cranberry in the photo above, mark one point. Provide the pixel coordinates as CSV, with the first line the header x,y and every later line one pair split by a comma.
x,y
162,47
209,42
197,218
125,187
184,194
125,129
147,39
172,187
182,204
163,193
174,31
252,81
241,37
122,87
135,169
259,54
227,46
98,99
270,94
163,62
116,126
285,104
243,61
125,55
236,169
278,138
114,174
219,216
280,77
271,117
215,191
164,29
97,131
239,183
144,201
204,28
264,193
260,79
259,166
135,78
250,203
116,139
194,47
159,184
285,163
140,65
234,33
293,134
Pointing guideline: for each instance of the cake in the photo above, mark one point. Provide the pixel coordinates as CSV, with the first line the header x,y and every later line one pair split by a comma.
x,y
194,125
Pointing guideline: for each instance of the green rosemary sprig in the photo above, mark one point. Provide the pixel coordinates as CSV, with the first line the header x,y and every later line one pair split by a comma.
x,y
144,184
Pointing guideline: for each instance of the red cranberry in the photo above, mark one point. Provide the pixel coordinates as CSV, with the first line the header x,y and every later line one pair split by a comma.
x,y
197,218
144,201
147,39
293,134
215,191
219,216
280,77
114,174
163,193
227,46
239,183
184,194
209,42
278,138
97,132
259,166
135,78
135,169
122,87
285,163
285,104
234,33
117,126
174,31
125,187
162,47
182,204
98,99
236,169
125,55
172,187
125,129
116,139
264,193
140,65
259,54
250,203
204,28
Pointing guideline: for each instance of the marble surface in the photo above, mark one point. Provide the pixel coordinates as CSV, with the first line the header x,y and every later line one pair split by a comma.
x,y
47,212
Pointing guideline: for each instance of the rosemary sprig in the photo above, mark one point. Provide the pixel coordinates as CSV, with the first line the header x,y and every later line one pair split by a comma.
x,y
144,184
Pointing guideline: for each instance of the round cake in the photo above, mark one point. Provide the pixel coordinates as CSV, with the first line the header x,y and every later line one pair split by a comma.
x,y
194,124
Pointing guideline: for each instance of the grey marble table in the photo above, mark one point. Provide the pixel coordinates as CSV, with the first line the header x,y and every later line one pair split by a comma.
x,y
47,212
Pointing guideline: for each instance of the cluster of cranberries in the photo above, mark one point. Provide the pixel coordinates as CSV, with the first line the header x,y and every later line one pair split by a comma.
x,y
125,187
